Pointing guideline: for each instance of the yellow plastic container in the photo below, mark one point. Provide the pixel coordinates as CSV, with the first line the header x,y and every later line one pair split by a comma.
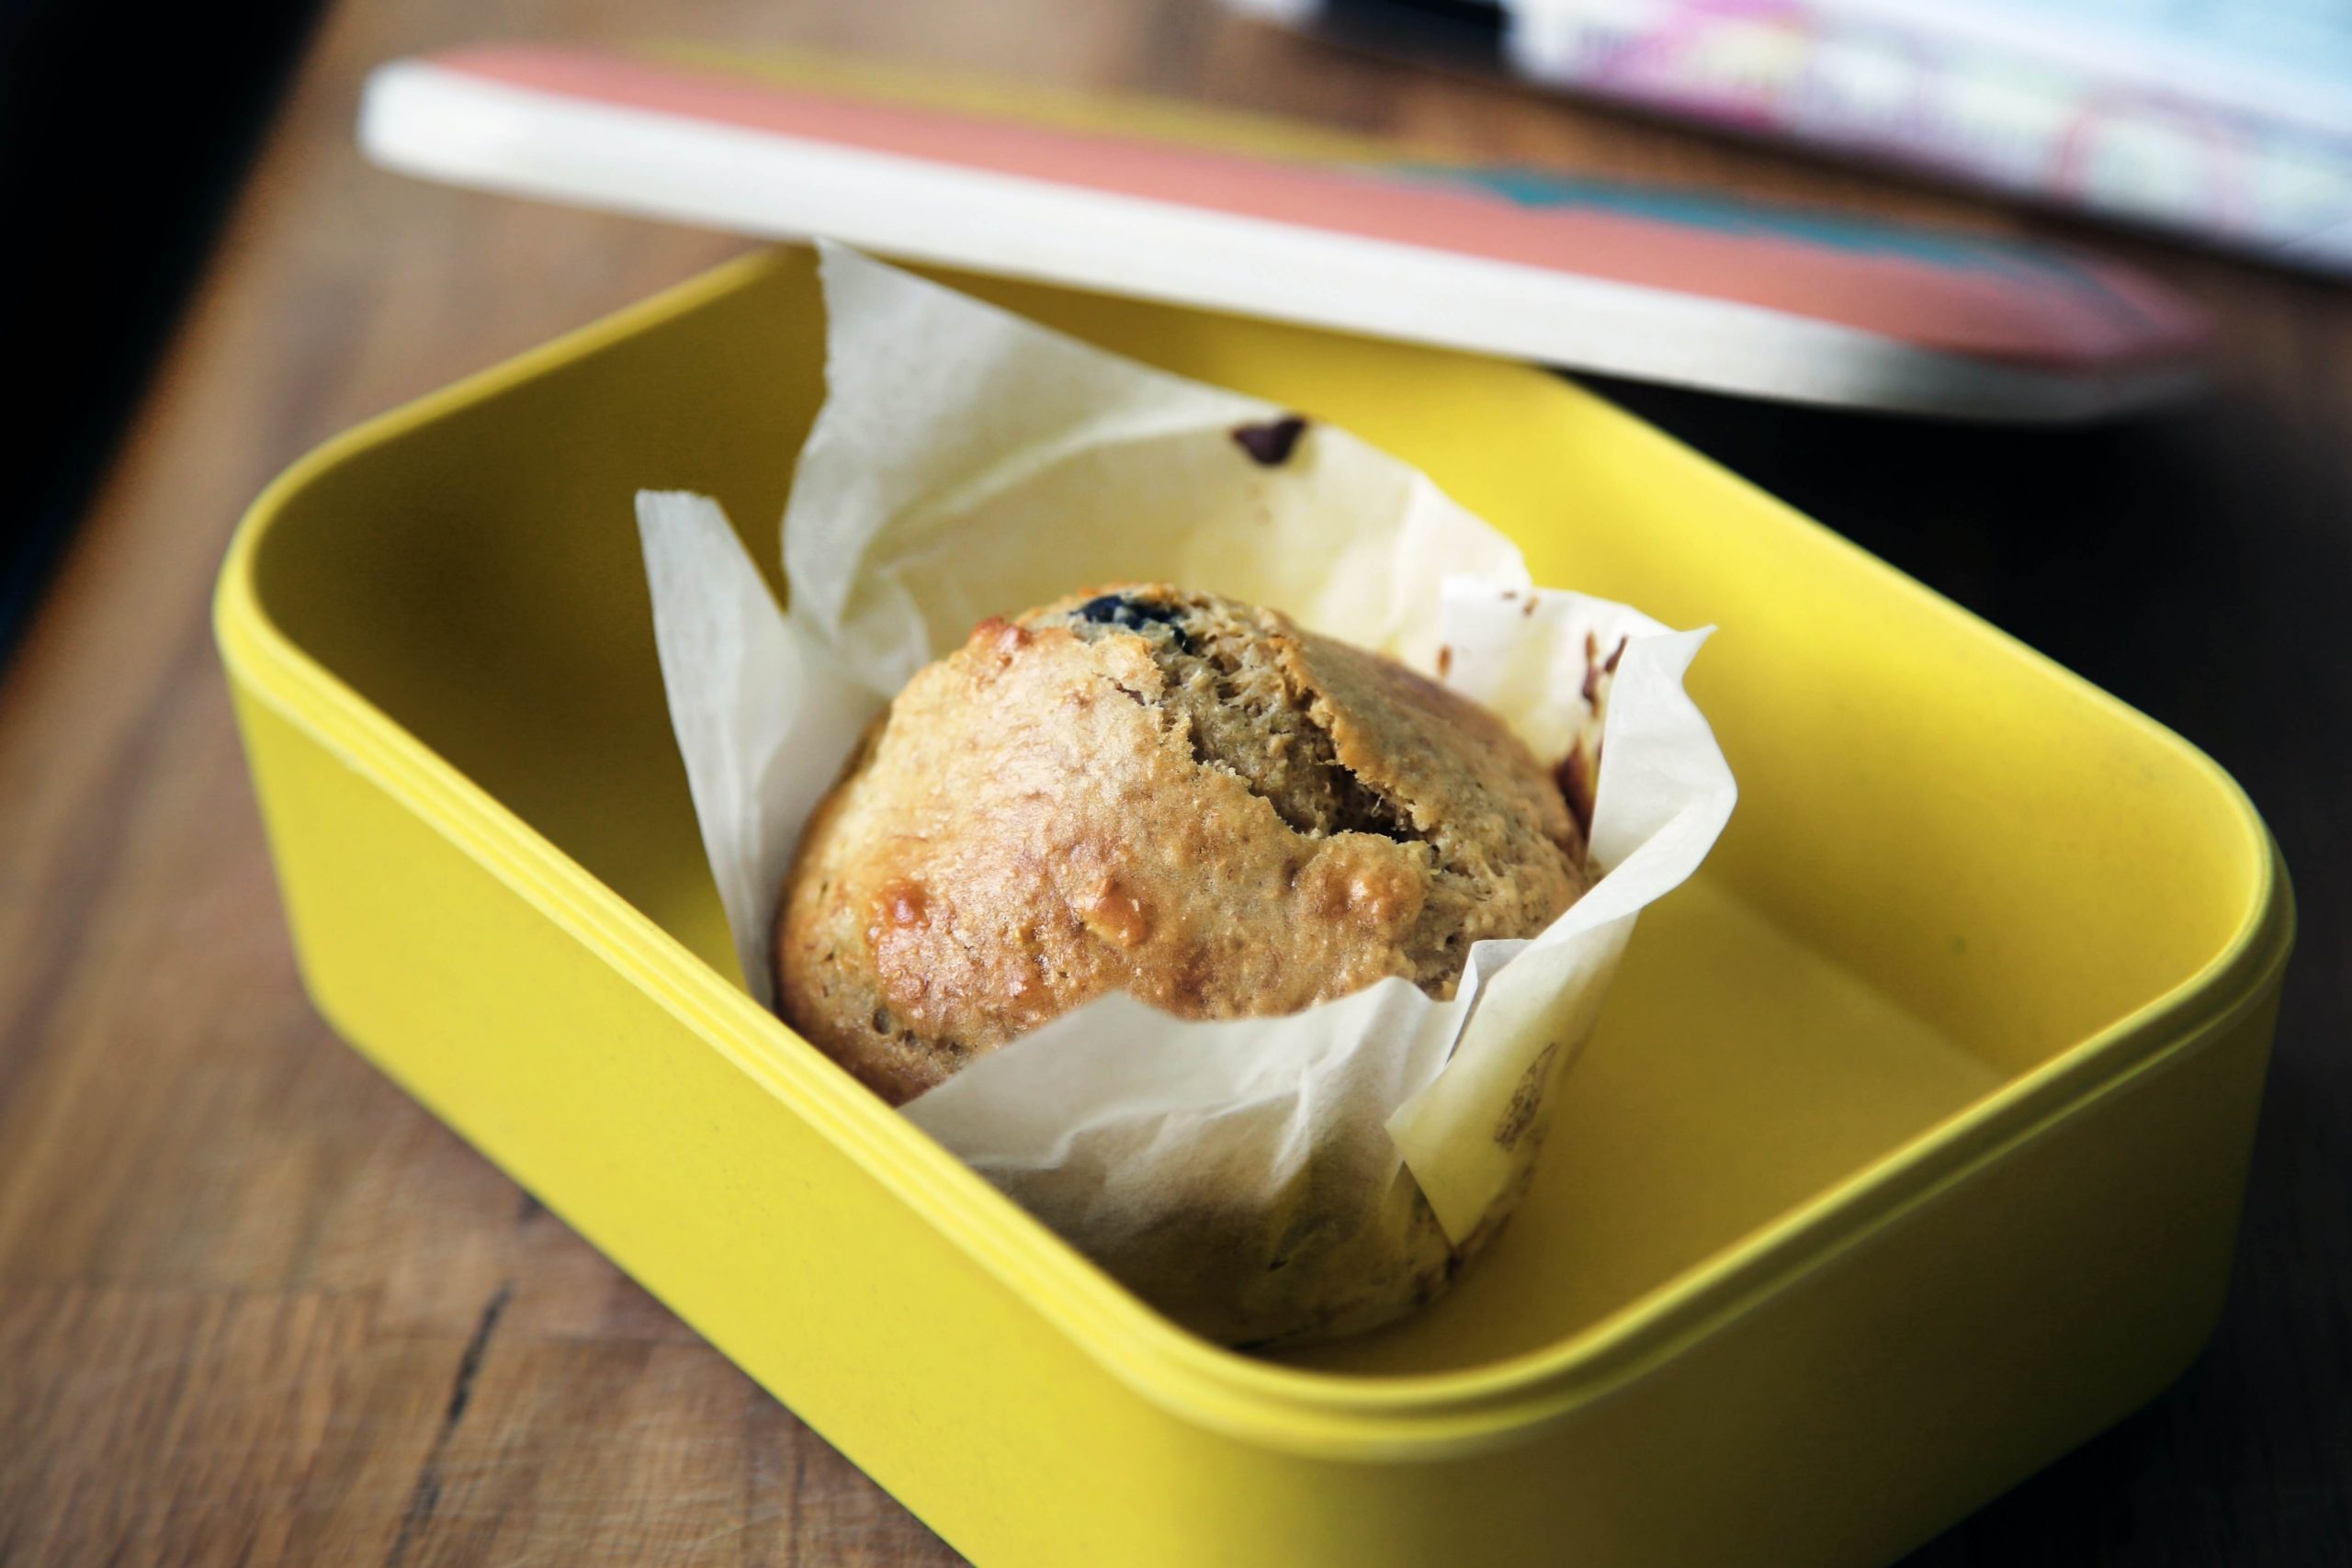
x,y
1909,1154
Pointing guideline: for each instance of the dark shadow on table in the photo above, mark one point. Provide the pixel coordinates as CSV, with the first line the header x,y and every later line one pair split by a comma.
x,y
124,130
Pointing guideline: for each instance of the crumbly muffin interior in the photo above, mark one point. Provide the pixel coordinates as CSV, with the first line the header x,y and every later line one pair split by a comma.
x,y
1246,715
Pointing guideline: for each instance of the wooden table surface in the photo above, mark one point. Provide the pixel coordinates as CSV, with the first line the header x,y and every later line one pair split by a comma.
x,y
256,1306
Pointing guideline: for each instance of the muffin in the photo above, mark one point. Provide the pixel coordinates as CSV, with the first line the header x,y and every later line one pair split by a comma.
x,y
1162,792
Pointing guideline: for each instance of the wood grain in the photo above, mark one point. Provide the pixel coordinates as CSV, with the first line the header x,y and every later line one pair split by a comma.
x,y
256,1307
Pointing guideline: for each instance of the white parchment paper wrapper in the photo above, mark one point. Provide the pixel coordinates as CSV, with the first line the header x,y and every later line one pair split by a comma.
x,y
1260,1180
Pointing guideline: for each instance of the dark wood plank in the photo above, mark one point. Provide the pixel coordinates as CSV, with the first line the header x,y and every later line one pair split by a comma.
x,y
256,1306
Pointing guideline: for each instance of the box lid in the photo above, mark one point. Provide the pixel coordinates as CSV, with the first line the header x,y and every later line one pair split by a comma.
x,y
1261,218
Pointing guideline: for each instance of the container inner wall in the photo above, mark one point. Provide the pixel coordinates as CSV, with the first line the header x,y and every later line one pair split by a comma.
x,y
1950,862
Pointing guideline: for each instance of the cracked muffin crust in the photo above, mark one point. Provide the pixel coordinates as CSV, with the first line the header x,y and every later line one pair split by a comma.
x,y
1163,791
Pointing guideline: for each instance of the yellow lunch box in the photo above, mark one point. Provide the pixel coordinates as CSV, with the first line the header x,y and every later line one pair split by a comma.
x,y
1907,1154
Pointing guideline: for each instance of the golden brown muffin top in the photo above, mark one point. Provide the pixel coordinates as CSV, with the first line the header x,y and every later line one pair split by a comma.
x,y
1163,791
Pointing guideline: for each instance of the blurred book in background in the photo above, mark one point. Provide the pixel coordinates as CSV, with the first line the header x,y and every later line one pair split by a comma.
x,y
2230,123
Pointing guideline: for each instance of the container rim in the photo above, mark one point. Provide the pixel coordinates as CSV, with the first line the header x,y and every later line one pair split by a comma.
x,y
1339,1416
